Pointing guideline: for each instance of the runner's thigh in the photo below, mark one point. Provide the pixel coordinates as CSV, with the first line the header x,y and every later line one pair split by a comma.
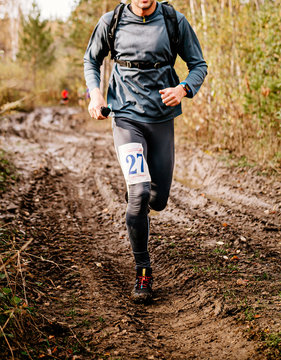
x,y
160,143
131,148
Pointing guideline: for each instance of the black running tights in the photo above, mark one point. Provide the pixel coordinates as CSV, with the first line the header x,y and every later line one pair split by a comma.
x,y
146,155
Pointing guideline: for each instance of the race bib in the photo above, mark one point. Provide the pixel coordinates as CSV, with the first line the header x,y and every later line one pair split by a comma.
x,y
133,163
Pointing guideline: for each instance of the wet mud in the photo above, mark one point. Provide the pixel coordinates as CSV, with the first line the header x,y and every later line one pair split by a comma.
x,y
215,249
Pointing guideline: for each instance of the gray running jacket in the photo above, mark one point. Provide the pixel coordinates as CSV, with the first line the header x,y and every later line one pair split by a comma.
x,y
134,93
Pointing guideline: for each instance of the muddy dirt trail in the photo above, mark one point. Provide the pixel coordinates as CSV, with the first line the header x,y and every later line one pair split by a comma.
x,y
215,248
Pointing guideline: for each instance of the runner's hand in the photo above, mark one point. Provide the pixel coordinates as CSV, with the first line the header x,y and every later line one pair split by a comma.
x,y
172,96
96,103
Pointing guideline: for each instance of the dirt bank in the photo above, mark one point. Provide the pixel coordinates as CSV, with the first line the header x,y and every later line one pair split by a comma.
x,y
215,249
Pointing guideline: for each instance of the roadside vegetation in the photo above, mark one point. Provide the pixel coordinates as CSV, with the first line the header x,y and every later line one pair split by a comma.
x,y
25,332
8,174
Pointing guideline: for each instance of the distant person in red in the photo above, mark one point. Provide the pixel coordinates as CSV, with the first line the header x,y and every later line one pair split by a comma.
x,y
64,96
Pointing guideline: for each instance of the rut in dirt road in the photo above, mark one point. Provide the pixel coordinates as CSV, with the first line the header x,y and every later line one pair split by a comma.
x,y
215,249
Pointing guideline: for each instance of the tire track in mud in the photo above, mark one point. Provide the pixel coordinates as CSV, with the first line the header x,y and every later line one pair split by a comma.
x,y
73,205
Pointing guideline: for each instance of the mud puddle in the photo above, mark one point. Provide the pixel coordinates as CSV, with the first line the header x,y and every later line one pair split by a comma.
x,y
215,249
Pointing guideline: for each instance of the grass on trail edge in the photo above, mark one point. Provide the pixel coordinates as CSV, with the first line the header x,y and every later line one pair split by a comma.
x,y
25,333
8,174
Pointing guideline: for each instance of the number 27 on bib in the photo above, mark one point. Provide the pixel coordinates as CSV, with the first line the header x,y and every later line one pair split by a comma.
x,y
133,163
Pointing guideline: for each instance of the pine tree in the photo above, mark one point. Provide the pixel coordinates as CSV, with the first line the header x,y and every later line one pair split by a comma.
x,y
35,49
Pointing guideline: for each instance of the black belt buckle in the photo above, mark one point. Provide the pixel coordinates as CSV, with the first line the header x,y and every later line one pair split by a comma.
x,y
157,65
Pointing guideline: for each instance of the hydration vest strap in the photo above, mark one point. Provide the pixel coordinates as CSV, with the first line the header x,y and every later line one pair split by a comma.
x,y
113,26
141,65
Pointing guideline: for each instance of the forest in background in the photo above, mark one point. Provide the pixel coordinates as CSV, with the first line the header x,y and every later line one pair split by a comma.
x,y
237,109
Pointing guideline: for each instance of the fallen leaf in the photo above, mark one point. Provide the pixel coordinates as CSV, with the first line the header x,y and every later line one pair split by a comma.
x,y
242,282
265,91
257,316
224,224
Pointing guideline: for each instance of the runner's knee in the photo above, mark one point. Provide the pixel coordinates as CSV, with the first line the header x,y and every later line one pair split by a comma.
x,y
138,199
158,202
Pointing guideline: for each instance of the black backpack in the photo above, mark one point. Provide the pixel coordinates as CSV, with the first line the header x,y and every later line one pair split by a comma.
x,y
171,22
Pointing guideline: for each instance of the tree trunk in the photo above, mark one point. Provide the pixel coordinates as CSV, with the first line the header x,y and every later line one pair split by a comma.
x,y
192,10
14,14
204,20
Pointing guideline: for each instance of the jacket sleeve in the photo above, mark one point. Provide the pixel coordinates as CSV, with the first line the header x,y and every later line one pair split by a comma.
x,y
190,51
96,51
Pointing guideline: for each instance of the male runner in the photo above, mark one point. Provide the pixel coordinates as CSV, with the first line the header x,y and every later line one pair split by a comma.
x,y
145,95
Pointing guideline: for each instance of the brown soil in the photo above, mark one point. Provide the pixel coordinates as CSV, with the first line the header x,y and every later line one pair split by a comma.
x,y
215,249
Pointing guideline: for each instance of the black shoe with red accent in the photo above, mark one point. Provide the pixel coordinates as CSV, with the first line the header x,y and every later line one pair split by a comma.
x,y
142,291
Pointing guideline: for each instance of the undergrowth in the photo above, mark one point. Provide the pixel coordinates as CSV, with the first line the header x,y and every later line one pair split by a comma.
x,y
7,172
25,331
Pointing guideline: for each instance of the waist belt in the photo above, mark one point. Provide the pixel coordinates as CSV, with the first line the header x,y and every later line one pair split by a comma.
x,y
141,65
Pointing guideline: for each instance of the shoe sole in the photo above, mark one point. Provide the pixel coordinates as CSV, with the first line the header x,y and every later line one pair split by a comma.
x,y
147,299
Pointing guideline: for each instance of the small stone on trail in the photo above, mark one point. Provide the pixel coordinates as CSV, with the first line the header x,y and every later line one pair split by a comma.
x,y
11,207
241,282
220,242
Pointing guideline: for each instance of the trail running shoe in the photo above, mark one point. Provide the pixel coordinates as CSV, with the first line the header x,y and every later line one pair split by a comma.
x,y
142,291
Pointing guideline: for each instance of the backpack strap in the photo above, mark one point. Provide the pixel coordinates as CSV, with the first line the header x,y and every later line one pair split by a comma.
x,y
172,26
113,26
